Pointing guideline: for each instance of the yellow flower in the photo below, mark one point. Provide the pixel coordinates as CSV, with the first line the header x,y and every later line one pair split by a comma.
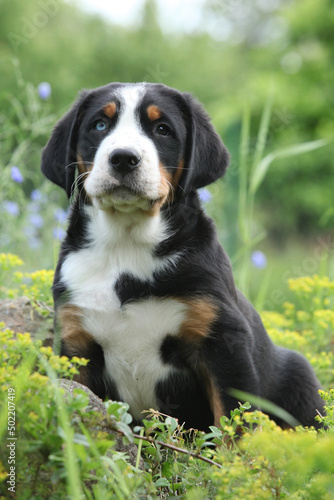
x,y
9,260
303,316
33,416
273,319
325,315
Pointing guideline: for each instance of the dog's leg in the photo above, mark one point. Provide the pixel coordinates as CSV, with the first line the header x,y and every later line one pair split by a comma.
x,y
76,341
297,388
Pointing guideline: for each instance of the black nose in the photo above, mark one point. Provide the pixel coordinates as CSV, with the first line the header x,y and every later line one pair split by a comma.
x,y
124,160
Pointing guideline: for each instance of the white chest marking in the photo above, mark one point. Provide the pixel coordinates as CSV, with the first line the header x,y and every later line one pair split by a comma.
x,y
131,338
131,335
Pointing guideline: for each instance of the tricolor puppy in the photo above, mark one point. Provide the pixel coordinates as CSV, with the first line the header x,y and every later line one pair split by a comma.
x,y
142,288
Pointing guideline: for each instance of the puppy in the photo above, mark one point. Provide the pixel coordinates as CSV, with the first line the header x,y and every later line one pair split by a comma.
x,y
142,288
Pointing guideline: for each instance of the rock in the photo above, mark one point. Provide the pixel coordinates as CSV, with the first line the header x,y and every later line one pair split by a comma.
x,y
97,405
21,315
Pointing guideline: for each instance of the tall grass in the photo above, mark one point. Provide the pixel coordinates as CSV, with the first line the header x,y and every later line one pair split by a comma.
x,y
254,165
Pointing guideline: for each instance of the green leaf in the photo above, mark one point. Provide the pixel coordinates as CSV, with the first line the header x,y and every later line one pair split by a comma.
x,y
266,406
80,439
263,131
262,167
126,430
162,482
171,424
167,469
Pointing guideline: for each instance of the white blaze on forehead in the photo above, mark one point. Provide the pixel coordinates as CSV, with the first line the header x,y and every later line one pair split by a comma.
x,y
127,134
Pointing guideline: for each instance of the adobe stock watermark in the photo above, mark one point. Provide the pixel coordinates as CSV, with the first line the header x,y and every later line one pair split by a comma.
x,y
155,75
29,27
11,440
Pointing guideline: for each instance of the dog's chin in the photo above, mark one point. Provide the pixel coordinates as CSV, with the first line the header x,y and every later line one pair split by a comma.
x,y
122,199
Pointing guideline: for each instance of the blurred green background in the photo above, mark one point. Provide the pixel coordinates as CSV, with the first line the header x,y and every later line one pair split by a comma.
x,y
235,57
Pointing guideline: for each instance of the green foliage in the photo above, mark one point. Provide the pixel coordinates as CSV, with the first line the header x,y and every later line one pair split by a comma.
x,y
35,285
253,168
29,203
72,50
64,450
61,450
307,324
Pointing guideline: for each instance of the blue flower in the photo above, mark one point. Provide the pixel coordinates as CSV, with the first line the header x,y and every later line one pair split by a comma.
x,y
59,233
36,220
36,195
11,207
44,90
204,195
259,260
16,174
60,215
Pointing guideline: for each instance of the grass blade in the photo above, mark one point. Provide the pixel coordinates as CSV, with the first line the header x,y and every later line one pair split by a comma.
x,y
263,166
262,134
265,405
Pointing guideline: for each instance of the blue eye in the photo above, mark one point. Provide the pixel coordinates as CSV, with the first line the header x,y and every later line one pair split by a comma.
x,y
100,125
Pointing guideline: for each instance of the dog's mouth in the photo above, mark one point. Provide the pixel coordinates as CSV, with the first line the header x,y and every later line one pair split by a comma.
x,y
123,199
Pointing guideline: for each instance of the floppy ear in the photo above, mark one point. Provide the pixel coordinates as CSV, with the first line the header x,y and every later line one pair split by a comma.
x,y
206,156
59,155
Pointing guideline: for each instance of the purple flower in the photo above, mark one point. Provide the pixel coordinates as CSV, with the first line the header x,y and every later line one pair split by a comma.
x,y
59,233
204,195
44,90
60,215
11,207
259,260
16,174
36,220
36,195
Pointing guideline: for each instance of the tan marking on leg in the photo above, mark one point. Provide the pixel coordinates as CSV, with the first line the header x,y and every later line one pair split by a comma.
x,y
200,316
214,398
75,337
215,401
110,109
153,113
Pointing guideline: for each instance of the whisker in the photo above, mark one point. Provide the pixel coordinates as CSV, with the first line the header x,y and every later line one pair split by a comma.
x,y
76,163
77,183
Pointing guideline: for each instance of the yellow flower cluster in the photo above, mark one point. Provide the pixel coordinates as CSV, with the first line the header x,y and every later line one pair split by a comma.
x,y
273,319
308,325
9,261
16,348
310,284
36,285
325,317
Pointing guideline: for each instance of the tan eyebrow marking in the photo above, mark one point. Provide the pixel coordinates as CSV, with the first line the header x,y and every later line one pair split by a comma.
x,y
110,109
153,112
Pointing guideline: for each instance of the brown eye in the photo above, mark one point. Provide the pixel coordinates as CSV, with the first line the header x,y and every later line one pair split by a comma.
x,y
163,129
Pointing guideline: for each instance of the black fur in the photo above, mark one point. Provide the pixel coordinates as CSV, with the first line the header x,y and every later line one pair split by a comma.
x,y
237,353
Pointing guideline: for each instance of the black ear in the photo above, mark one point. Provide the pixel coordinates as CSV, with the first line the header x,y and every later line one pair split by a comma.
x,y
59,155
206,156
